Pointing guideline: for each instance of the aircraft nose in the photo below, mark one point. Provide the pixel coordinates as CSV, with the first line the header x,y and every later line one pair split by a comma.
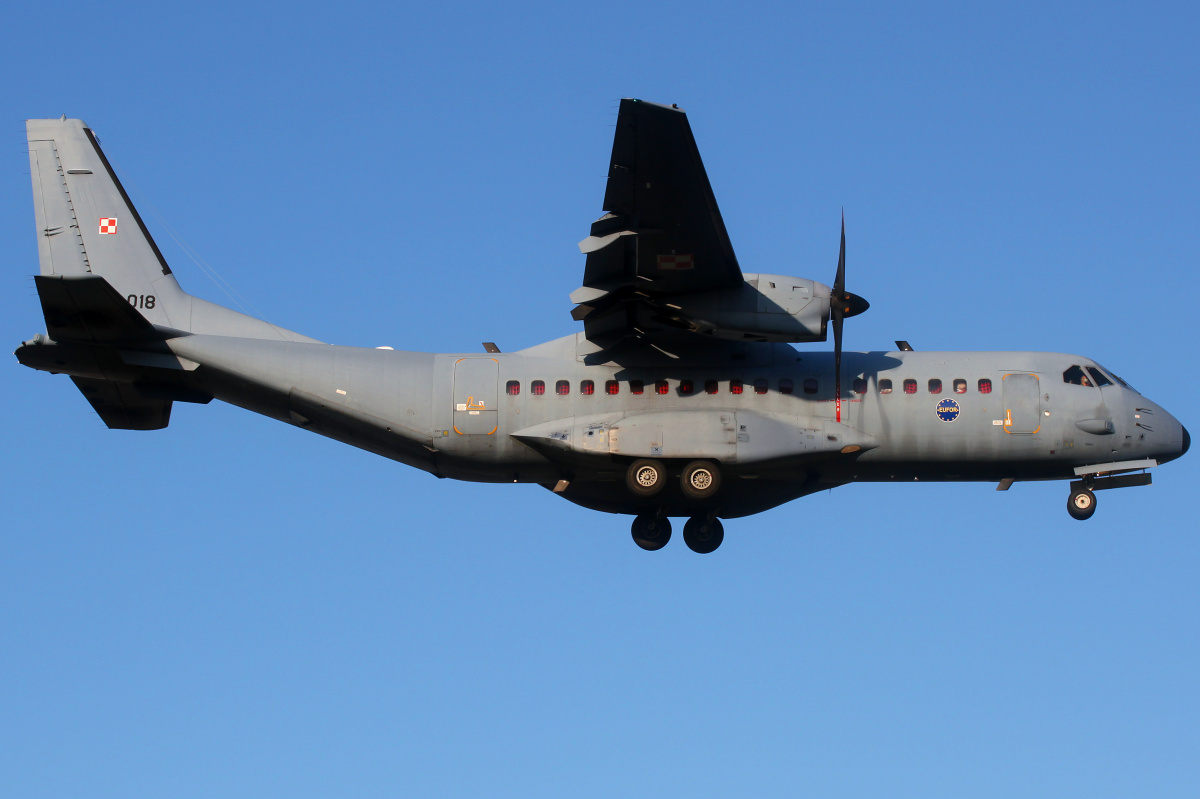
x,y
1187,442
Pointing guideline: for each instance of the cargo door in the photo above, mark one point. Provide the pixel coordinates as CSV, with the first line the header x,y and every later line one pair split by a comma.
x,y
475,396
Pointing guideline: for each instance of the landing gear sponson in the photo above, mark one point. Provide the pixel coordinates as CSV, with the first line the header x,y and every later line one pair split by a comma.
x,y
698,481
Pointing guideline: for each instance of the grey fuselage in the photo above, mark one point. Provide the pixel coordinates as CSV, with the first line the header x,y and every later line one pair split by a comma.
x,y
458,415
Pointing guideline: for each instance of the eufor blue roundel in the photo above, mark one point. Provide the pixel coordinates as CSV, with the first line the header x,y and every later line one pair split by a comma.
x,y
948,410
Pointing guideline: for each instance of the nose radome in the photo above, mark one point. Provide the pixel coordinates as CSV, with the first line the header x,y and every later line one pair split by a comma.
x,y
1187,441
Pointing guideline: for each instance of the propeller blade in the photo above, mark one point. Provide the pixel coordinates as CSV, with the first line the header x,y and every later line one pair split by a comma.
x,y
837,312
839,280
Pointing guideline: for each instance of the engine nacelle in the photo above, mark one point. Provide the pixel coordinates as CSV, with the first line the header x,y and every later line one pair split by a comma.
x,y
765,308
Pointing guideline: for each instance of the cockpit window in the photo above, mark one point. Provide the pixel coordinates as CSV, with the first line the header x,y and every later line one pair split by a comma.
x,y
1101,380
1076,377
1117,377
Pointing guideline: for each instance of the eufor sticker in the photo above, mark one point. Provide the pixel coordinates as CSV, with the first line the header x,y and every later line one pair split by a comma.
x,y
948,410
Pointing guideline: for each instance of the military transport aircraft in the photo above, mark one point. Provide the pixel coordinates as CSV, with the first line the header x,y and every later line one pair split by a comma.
x,y
681,396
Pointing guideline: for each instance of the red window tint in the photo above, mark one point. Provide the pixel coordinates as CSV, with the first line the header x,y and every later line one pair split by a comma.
x,y
859,386
661,387
710,386
960,386
537,388
785,386
635,387
935,386
513,388
686,387
910,386
735,386
562,388
885,386
587,387
760,386
810,385
612,387
985,386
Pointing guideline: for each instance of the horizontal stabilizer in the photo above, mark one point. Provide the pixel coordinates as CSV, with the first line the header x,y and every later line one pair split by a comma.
x,y
85,308
122,407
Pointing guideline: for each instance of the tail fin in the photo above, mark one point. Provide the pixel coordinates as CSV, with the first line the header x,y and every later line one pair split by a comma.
x,y
87,225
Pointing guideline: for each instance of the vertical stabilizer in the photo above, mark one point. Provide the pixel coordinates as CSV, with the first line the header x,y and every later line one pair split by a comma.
x,y
86,223
88,228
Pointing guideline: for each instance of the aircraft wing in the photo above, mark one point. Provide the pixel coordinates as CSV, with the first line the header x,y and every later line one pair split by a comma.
x,y
662,233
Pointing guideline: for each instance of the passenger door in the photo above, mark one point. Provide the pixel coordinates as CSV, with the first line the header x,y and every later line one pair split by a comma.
x,y
1022,403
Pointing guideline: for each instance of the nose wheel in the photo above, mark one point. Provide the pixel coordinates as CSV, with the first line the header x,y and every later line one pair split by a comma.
x,y
1081,504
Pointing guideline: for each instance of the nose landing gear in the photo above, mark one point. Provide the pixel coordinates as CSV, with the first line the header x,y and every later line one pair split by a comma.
x,y
1081,504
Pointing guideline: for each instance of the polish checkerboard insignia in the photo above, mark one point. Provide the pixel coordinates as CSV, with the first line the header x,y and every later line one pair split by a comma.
x,y
675,263
108,226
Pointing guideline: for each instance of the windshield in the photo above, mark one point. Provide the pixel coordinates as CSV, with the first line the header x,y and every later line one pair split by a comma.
x,y
1117,378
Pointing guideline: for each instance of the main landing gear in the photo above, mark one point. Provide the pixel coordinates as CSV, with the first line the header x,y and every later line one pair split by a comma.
x,y
703,534
698,482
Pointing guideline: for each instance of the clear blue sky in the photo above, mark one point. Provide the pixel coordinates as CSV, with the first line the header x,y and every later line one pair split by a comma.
x,y
233,607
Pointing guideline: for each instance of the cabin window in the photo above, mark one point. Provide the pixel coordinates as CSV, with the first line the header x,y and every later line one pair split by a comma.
x,y
960,386
636,387
537,388
612,387
885,386
735,386
810,385
562,388
711,386
910,386
513,388
1101,380
785,386
686,387
860,386
935,385
760,386
587,387
1076,377
985,386
661,387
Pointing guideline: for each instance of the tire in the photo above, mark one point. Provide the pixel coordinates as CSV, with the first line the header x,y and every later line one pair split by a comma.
x,y
1081,504
651,532
700,479
703,535
646,477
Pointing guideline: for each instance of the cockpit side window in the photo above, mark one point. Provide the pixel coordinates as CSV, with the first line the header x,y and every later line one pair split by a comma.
x,y
1101,380
1076,377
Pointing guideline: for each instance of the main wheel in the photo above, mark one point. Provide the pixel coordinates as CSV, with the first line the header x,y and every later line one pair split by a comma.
x,y
700,479
646,477
702,534
1081,504
651,532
